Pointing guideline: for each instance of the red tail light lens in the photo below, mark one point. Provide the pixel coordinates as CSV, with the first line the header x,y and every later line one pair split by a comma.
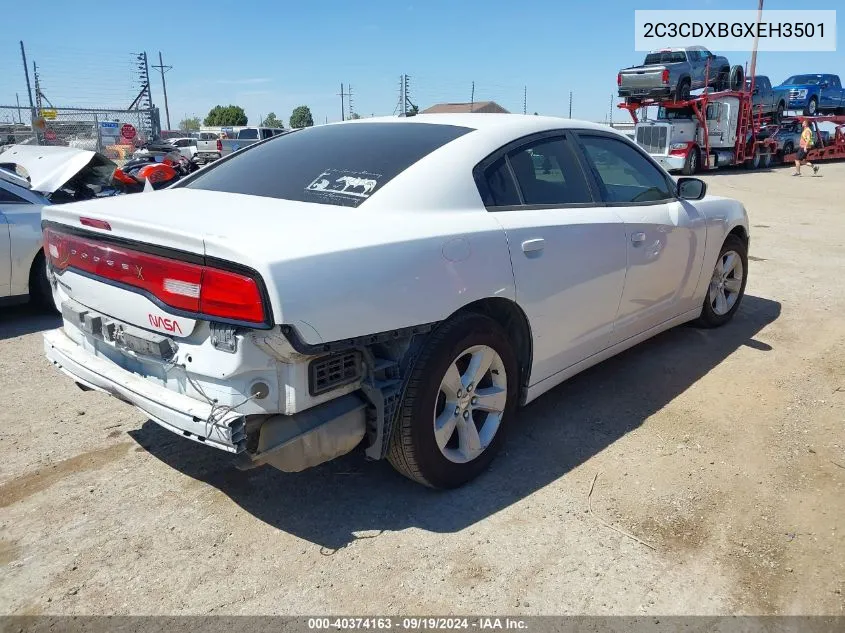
x,y
619,79
665,76
219,145
182,285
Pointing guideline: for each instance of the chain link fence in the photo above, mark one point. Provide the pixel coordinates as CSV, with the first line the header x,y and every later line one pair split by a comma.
x,y
114,133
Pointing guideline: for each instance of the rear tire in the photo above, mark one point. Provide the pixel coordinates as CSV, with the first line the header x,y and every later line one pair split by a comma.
x,y
40,290
812,108
737,78
779,112
727,284
683,91
430,403
723,79
788,148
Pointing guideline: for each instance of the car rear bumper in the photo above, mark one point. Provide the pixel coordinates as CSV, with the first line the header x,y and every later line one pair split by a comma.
x,y
661,91
176,412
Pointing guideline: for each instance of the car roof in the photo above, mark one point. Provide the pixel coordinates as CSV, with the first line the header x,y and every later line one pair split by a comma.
x,y
518,124
451,165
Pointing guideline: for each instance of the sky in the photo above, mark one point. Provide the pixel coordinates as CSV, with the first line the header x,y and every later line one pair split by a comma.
x,y
274,56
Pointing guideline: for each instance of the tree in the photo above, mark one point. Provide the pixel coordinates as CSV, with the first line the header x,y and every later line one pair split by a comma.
x,y
191,124
301,117
272,121
354,116
226,115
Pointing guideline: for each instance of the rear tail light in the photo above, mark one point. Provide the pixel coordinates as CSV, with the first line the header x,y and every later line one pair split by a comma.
x,y
665,76
194,288
619,79
97,224
219,145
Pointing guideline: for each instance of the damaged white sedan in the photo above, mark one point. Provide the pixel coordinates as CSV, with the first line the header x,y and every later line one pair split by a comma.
x,y
400,284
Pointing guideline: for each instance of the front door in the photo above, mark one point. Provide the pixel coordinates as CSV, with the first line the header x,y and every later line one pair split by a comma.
x,y
664,236
568,252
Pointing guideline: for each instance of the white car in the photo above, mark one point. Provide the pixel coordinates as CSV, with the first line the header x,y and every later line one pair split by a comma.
x,y
187,146
400,283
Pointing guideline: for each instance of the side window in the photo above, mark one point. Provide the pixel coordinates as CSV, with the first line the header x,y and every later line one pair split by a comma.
x,y
7,197
693,56
265,133
501,189
548,172
626,175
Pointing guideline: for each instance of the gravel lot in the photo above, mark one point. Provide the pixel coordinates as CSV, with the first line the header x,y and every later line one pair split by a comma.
x,y
723,451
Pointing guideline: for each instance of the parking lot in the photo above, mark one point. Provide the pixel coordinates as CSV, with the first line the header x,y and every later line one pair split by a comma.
x,y
718,458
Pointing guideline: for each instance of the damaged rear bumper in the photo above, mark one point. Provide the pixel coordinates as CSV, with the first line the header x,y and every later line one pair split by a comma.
x,y
288,442
174,411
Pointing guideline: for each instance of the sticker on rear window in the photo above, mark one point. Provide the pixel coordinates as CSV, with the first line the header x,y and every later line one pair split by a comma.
x,y
340,183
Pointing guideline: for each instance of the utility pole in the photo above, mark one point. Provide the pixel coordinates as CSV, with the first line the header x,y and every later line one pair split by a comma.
x,y
570,104
351,109
756,40
28,87
472,98
342,106
161,67
610,116
525,100
407,92
17,98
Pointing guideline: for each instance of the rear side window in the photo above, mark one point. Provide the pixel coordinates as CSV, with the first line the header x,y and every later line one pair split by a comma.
x,y
548,173
249,133
7,197
627,176
665,58
327,164
500,186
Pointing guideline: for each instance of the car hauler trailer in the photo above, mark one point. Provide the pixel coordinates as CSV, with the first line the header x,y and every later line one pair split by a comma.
x,y
832,150
715,129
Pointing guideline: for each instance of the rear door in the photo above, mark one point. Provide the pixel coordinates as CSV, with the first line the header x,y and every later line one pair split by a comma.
x,y
567,250
664,236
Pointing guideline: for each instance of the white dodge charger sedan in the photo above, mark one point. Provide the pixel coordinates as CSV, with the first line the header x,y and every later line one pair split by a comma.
x,y
401,284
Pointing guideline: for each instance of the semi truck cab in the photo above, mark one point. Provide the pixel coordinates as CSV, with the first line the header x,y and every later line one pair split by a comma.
x,y
675,138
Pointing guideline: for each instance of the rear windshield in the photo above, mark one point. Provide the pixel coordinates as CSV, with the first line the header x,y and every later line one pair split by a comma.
x,y
248,133
665,58
328,164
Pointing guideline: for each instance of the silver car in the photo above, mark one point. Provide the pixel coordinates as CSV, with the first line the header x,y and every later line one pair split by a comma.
x,y
23,271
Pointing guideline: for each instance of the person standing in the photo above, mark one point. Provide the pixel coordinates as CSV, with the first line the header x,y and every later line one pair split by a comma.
x,y
805,145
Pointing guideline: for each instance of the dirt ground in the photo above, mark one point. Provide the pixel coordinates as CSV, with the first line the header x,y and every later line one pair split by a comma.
x,y
722,452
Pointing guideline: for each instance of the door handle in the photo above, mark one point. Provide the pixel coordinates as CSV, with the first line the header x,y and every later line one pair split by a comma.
x,y
533,246
637,238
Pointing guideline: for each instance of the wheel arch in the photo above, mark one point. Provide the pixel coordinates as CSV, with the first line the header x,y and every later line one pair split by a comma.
x,y
511,317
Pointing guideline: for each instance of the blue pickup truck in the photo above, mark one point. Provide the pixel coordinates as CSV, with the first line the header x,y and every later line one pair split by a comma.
x,y
815,94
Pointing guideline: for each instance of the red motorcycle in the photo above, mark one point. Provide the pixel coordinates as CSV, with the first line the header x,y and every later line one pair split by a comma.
x,y
159,164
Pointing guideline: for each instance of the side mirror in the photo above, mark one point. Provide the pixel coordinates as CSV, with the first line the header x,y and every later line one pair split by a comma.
x,y
691,188
824,85
756,91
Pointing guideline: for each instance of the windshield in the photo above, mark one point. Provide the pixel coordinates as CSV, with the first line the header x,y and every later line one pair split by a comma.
x,y
669,114
248,133
812,80
665,58
328,164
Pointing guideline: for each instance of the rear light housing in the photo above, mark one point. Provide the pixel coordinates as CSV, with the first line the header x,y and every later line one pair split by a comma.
x,y
199,290
665,76
619,79
219,145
